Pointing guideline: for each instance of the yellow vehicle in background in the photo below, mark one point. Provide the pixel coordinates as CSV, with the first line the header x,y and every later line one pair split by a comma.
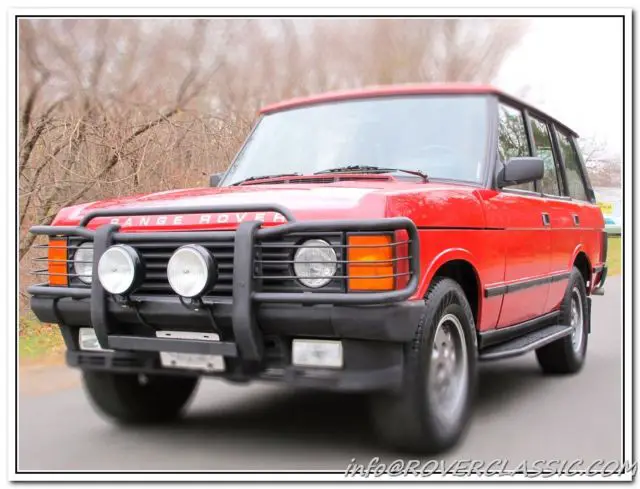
x,y
610,202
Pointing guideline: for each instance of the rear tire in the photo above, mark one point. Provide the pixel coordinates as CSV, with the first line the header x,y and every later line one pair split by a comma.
x,y
431,412
567,355
138,399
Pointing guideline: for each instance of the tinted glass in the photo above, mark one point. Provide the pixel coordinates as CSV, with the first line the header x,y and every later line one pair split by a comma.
x,y
545,151
512,138
443,136
572,167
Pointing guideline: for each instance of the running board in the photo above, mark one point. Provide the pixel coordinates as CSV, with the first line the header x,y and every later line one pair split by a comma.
x,y
525,343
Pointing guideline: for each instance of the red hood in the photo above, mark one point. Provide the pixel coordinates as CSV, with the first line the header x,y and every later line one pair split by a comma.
x,y
352,200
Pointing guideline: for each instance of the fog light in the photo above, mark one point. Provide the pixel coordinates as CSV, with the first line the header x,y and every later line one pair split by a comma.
x,y
317,353
191,271
119,269
89,341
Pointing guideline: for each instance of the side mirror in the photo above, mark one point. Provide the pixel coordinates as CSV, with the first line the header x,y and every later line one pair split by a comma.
x,y
521,169
214,179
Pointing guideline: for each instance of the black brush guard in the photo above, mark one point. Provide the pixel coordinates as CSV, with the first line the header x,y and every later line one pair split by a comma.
x,y
248,343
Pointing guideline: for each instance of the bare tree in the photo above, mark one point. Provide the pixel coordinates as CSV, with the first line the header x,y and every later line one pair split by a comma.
x,y
72,141
604,168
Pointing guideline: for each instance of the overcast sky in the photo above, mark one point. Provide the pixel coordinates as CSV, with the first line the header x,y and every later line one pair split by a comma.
x,y
573,67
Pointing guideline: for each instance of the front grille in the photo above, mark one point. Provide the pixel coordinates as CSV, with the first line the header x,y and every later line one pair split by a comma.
x,y
270,275
155,257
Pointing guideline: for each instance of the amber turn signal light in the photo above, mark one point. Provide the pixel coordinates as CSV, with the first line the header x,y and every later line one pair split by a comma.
x,y
57,256
370,262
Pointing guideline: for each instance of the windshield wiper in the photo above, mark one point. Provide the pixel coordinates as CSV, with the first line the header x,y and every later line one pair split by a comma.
x,y
264,177
372,169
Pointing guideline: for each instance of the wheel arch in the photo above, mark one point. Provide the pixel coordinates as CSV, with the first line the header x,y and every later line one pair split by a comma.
x,y
582,262
458,264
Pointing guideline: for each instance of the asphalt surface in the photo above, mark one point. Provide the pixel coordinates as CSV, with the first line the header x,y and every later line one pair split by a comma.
x,y
520,414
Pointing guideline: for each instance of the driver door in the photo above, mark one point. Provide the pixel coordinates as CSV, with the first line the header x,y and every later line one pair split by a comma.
x,y
519,213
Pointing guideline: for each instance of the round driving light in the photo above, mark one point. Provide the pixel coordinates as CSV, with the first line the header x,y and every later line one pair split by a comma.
x,y
119,269
315,263
83,262
191,271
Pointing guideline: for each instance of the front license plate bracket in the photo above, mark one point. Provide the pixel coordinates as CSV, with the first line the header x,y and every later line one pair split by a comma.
x,y
191,361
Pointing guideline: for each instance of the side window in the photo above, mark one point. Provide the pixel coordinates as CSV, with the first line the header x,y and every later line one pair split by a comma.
x,y
572,166
545,151
512,138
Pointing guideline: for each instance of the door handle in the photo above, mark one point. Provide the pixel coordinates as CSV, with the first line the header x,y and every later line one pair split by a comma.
x,y
546,220
576,220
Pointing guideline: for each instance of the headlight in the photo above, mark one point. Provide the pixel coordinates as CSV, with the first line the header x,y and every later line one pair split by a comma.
x,y
119,269
315,263
83,262
191,271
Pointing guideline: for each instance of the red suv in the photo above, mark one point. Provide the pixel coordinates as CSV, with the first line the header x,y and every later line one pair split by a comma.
x,y
382,240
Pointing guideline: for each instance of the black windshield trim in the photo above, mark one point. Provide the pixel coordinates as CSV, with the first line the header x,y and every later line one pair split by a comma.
x,y
372,169
266,177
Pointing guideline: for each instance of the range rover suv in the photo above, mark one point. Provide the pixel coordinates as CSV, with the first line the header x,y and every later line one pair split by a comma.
x,y
384,240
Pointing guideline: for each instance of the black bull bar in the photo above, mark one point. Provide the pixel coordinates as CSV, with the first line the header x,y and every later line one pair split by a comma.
x,y
248,343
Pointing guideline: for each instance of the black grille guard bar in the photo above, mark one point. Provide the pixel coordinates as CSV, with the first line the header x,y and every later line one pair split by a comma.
x,y
246,331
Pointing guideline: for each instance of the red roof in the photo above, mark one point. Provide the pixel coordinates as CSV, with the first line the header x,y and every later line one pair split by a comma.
x,y
410,89
381,91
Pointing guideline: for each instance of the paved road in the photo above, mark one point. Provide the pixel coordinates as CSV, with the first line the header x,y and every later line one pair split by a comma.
x,y
520,414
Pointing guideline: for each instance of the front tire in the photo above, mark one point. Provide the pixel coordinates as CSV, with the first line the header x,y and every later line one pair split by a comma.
x,y
567,355
138,399
432,411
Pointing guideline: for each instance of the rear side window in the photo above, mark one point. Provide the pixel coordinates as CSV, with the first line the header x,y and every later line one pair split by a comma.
x,y
512,138
573,169
541,137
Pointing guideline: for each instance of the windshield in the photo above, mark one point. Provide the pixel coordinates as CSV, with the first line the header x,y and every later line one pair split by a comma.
x,y
443,136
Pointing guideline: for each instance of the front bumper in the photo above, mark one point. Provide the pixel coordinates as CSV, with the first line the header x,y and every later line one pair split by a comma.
x,y
255,327
386,322
373,338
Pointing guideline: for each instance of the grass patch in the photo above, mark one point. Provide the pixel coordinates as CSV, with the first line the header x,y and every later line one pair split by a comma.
x,y
614,255
37,340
